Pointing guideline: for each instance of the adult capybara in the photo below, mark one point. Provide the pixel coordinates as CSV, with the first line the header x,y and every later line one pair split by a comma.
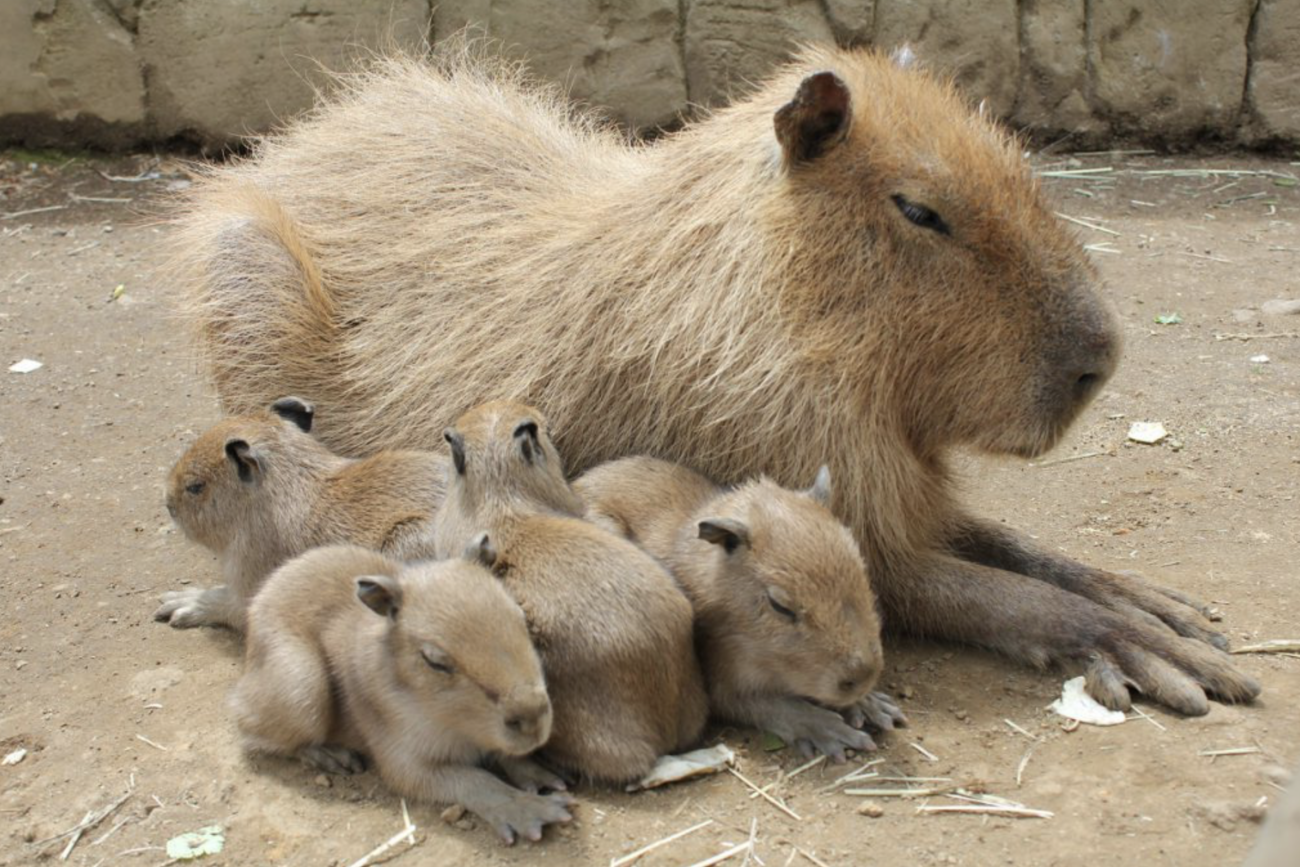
x,y
850,264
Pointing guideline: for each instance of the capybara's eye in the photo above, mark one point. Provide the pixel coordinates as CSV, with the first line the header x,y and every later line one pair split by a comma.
x,y
438,663
781,609
922,216
195,488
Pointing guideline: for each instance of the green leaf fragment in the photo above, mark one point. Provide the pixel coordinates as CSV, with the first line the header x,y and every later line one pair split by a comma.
x,y
1168,319
772,743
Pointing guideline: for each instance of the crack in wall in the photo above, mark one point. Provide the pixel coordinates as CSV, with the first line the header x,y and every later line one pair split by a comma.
x,y
1247,115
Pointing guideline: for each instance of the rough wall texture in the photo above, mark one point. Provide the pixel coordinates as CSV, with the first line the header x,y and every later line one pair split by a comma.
x,y
117,73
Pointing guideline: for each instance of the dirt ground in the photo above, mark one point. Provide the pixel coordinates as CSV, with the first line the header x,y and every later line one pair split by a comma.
x,y
105,700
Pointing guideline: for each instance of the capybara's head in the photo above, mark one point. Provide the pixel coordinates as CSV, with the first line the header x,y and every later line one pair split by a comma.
x,y
924,263
460,649
798,607
212,489
502,449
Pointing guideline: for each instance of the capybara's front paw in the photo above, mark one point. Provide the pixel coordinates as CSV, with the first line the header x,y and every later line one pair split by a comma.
x,y
184,609
333,759
1132,595
527,774
877,712
814,729
1180,673
523,814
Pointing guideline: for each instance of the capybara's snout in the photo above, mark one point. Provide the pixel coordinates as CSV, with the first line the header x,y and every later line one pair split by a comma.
x,y
1083,358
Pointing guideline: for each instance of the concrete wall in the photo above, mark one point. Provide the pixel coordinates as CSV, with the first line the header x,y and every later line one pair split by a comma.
x,y
120,73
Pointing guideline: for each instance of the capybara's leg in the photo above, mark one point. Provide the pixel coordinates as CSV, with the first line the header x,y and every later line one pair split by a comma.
x,y
1039,623
511,812
214,606
796,721
283,703
992,545
530,775
877,711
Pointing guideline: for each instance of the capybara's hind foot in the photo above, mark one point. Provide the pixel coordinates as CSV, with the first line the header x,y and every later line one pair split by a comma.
x,y
333,759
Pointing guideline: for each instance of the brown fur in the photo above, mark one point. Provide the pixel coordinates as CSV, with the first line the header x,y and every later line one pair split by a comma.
x,y
613,630
746,296
342,644
292,494
784,552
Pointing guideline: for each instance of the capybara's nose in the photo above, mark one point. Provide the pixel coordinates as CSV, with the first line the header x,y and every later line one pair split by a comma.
x,y
860,675
1090,354
530,719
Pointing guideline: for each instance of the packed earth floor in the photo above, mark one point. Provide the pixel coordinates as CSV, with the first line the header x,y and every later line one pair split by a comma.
x,y
106,702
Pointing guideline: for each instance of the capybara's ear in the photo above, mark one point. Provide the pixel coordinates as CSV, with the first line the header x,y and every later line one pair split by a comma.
x,y
481,550
816,119
457,444
245,460
527,437
381,594
821,487
296,410
727,532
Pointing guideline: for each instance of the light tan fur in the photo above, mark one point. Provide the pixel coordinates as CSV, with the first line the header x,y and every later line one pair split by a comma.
x,y
785,616
284,493
613,630
340,666
849,265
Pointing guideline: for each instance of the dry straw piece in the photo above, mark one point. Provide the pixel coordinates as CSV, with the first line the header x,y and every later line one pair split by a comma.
x,y
407,834
650,847
1276,645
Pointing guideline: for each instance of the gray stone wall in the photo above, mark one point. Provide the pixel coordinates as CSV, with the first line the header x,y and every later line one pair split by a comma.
x,y
121,73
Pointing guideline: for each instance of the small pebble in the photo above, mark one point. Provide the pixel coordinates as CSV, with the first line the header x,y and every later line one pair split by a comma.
x,y
323,781
453,814
907,692
961,715
872,809
20,664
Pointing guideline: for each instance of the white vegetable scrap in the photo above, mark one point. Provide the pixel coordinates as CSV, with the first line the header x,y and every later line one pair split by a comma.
x,y
672,769
1147,432
1075,703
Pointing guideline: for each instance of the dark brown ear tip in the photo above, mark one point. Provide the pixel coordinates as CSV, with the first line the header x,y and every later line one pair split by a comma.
x,y
815,119
481,550
296,410
826,84
457,444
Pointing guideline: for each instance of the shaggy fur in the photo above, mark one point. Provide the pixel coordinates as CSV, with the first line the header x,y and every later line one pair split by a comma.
x,y
746,296
784,614
259,489
613,630
427,669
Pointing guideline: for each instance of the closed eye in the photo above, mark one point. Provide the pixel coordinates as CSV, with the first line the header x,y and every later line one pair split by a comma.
x,y
438,664
781,609
195,487
920,215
